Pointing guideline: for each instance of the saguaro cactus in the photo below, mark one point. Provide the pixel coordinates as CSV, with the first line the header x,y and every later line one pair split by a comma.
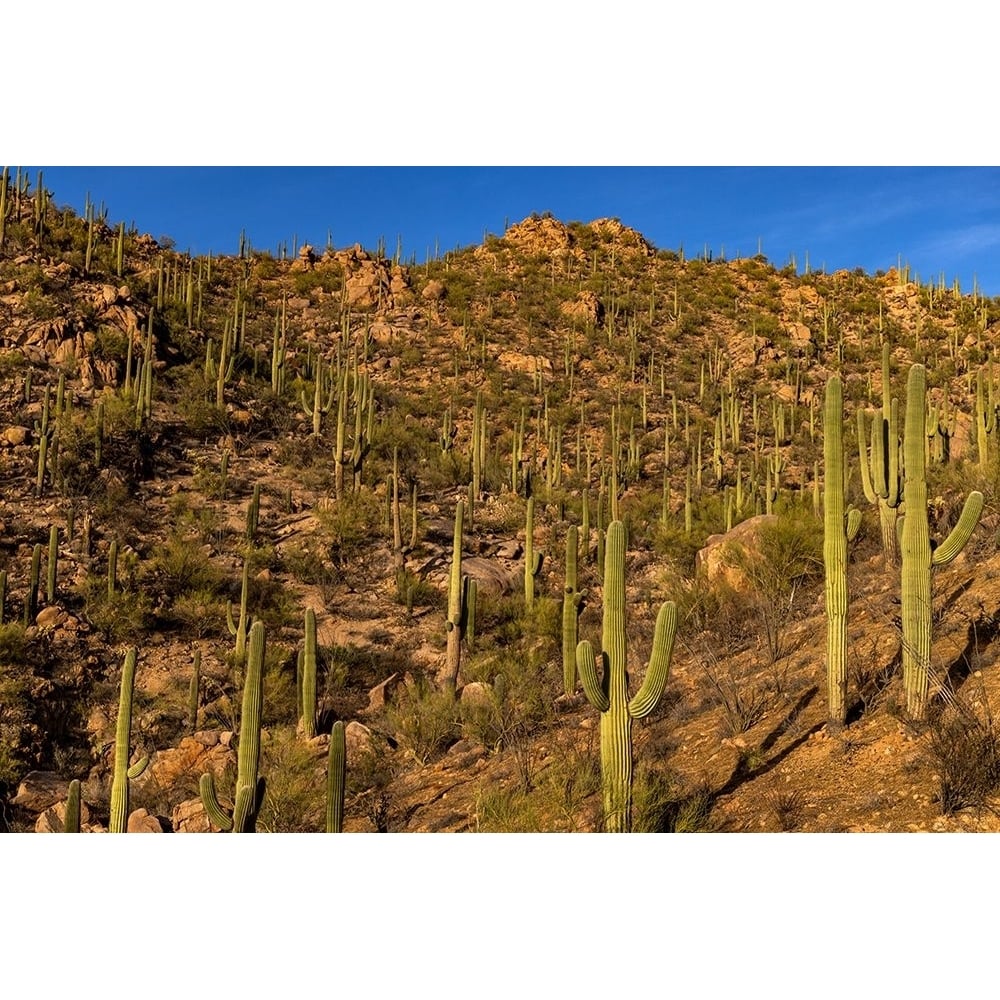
x,y
609,695
532,559
336,779
838,529
118,821
919,556
309,676
880,474
249,786
460,597
572,603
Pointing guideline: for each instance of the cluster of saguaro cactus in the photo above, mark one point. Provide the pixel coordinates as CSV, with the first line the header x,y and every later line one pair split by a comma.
x,y
919,557
249,785
609,693
838,529
118,821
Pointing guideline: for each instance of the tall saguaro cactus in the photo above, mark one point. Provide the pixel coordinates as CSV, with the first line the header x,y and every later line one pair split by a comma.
x,y
838,529
336,779
119,786
918,555
249,786
609,694
572,603
309,676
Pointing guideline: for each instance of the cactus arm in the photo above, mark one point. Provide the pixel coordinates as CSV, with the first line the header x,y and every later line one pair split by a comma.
x,y
592,687
853,523
659,663
138,768
211,803
961,533
866,479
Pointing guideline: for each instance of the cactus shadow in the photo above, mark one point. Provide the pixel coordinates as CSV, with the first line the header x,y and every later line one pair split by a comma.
x,y
749,769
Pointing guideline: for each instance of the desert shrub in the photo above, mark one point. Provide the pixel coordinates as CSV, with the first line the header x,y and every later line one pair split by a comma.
x,y
425,721
964,745
295,785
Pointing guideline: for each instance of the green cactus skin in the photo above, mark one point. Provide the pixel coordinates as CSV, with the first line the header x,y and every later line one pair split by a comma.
x,y
118,821
572,604
838,529
918,556
249,786
71,823
609,695
309,676
336,779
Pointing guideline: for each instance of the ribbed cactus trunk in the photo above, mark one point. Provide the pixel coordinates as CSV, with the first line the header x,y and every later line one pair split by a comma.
x,y
835,550
249,787
917,555
309,676
609,695
336,778
616,723
916,549
119,787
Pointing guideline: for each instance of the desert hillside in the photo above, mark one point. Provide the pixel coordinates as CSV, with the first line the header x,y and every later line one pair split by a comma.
x,y
229,493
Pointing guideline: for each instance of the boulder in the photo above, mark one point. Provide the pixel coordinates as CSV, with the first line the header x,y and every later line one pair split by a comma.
x,y
140,821
54,818
719,559
41,789
491,577
379,695
190,817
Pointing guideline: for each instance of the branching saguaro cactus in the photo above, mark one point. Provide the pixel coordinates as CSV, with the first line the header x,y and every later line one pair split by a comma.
x,y
609,694
572,604
838,529
919,556
118,821
880,474
336,779
249,786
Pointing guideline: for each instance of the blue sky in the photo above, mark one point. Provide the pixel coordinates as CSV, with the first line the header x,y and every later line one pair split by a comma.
x,y
939,219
